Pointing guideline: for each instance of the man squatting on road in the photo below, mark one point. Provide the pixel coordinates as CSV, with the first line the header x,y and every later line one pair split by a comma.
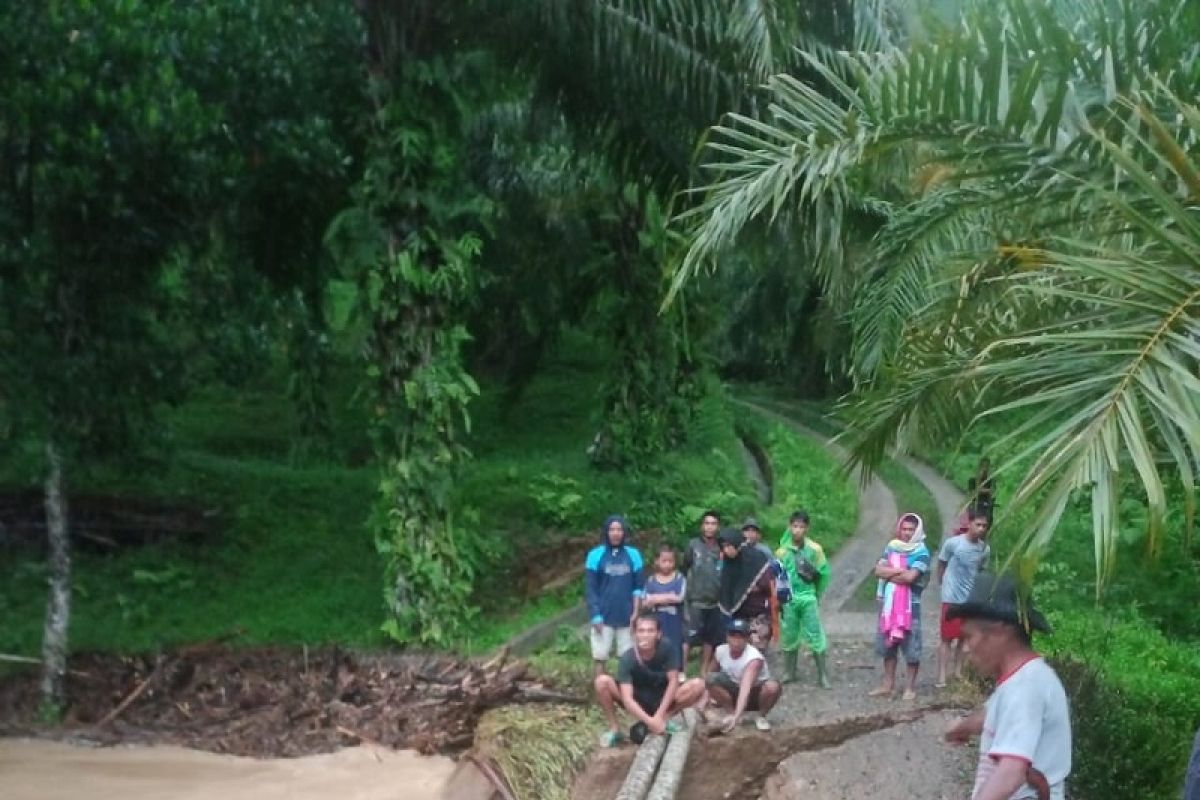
x,y
647,685
742,683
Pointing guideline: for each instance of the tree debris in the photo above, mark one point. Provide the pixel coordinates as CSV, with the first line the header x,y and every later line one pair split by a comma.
x,y
267,702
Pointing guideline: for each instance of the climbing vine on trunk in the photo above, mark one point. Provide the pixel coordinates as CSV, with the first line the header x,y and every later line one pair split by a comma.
x,y
657,376
411,244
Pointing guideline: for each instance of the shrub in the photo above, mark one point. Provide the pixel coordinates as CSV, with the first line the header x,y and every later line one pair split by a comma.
x,y
1135,705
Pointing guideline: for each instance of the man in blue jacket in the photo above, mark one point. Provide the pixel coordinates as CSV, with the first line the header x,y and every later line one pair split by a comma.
x,y
614,573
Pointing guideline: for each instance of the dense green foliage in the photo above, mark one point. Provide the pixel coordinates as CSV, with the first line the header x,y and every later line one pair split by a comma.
x,y
368,279
997,207
411,243
288,557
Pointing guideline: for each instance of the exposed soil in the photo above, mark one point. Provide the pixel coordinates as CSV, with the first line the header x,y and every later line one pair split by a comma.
x,y
274,701
103,522
550,567
740,765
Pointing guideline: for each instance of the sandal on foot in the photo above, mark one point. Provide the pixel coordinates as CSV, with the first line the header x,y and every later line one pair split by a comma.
x,y
673,728
909,695
763,724
610,738
881,692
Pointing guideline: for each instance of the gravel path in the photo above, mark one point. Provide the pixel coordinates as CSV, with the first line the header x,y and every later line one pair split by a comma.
x,y
903,759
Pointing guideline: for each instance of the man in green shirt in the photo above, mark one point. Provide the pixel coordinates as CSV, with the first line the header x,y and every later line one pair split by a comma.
x,y
808,569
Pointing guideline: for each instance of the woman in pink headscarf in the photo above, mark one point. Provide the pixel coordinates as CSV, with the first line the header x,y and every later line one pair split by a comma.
x,y
903,571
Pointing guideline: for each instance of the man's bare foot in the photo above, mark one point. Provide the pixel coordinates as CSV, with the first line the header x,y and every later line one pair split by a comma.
x,y
909,695
882,691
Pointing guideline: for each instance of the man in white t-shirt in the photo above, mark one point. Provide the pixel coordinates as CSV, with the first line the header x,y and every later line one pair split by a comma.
x,y
742,682
1025,727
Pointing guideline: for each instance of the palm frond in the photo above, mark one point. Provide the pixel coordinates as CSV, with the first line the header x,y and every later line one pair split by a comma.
x,y
1109,375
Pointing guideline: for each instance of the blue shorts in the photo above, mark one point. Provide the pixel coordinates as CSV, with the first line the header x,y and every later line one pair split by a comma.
x,y
910,645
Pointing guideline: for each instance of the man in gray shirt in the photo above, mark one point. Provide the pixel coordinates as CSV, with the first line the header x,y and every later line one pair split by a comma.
x,y
701,565
960,561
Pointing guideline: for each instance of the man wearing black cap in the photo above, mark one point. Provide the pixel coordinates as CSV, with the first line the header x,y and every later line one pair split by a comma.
x,y
1025,728
753,534
742,683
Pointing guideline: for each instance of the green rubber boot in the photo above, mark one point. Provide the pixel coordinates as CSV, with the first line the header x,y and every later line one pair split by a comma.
x,y
822,671
791,660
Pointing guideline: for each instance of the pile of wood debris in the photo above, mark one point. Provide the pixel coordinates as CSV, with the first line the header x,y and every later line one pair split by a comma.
x,y
276,701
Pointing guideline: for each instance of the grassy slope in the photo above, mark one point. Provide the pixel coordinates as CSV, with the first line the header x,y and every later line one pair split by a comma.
x,y
806,477
293,562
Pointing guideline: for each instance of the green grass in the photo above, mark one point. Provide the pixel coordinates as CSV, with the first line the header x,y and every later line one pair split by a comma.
x,y
806,477
291,560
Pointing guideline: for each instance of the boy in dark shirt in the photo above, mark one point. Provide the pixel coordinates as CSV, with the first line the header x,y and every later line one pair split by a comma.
x,y
647,684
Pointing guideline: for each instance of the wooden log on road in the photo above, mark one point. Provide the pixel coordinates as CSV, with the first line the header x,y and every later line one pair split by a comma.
x,y
641,773
670,770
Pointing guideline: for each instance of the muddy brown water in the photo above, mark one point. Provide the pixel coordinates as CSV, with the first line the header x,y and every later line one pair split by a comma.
x,y
41,770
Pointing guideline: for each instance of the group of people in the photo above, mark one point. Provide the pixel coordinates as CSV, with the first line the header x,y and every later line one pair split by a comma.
x,y
731,595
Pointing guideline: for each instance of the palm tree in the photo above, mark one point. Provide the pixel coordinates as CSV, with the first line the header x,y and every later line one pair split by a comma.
x,y
1026,181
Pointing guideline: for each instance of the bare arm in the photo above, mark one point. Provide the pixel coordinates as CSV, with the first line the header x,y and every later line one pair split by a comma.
x,y
882,570
1007,778
664,707
964,729
906,576
748,679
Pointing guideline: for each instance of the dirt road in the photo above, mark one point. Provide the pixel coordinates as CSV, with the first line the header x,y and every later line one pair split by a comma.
x,y
38,770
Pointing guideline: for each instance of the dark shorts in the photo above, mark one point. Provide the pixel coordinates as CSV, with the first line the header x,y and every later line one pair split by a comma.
x,y
951,628
720,680
706,626
649,699
910,646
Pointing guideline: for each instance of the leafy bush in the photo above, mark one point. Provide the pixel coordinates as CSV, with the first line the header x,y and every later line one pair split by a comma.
x,y
1135,705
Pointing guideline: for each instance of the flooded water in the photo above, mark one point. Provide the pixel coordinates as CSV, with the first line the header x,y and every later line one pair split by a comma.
x,y
35,770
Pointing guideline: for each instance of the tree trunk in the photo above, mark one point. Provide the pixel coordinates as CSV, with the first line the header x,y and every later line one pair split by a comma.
x,y
58,605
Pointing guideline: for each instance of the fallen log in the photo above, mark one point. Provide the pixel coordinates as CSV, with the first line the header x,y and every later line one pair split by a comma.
x,y
134,695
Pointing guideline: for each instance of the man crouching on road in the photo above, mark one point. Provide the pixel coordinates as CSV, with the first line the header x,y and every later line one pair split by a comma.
x,y
742,683
647,683
1025,728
